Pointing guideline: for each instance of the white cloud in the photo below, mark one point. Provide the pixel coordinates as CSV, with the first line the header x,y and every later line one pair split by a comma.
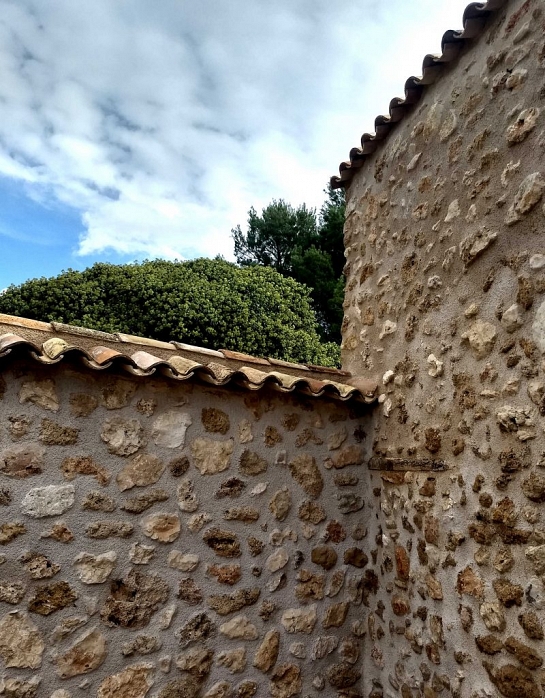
x,y
162,123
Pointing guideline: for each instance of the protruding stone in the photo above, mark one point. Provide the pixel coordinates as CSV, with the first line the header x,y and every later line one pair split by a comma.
x,y
21,645
212,456
246,514
267,652
162,527
239,628
325,556
306,473
22,460
197,629
39,566
51,500
528,195
299,620
233,660
335,615
189,592
86,654
285,681
481,337
252,463
221,689
225,574
17,688
525,122
342,675
508,593
54,434
512,319
526,655
144,469
277,560
143,502
475,244
109,529
536,555
469,582
59,532
98,501
493,616
117,393
280,504
215,421
185,562
531,624
52,597
224,604
324,645
141,554
187,499
133,600
169,429
435,366
122,437
41,393
224,543
534,487
142,644
197,662
311,512
11,592
350,502
133,682
512,681
245,432
95,569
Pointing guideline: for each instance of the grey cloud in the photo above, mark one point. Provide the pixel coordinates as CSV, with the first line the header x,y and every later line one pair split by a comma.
x,y
164,122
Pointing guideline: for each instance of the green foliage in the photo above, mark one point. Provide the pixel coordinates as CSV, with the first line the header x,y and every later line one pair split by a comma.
x,y
207,302
304,247
272,237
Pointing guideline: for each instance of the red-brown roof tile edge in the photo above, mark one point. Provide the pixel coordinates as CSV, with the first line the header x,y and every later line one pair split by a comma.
x,y
141,363
473,22
60,327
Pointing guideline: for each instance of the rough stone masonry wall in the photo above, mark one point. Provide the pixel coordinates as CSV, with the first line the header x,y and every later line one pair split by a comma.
x,y
176,540
445,244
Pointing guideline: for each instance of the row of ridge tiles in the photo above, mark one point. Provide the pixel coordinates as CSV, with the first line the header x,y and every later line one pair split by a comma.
x,y
473,22
143,363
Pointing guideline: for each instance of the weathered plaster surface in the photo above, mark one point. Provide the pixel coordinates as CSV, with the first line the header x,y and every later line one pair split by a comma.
x,y
445,304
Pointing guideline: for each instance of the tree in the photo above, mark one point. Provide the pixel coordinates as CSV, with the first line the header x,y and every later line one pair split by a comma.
x,y
208,302
303,246
272,237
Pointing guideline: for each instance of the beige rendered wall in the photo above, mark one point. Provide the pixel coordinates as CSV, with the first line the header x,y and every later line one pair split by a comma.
x,y
177,540
445,306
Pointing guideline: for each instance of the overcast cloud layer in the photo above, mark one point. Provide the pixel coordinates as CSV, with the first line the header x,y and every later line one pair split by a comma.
x,y
161,123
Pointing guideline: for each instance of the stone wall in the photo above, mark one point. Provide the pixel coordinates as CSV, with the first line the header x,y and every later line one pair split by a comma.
x,y
445,305
177,540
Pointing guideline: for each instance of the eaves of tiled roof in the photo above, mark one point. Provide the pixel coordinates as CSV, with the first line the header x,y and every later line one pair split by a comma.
x,y
433,68
49,343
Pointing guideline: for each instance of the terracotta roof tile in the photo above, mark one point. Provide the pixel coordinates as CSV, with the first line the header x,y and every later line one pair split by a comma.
x,y
51,343
103,355
433,68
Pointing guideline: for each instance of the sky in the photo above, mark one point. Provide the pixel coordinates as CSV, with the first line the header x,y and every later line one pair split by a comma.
x,y
132,129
